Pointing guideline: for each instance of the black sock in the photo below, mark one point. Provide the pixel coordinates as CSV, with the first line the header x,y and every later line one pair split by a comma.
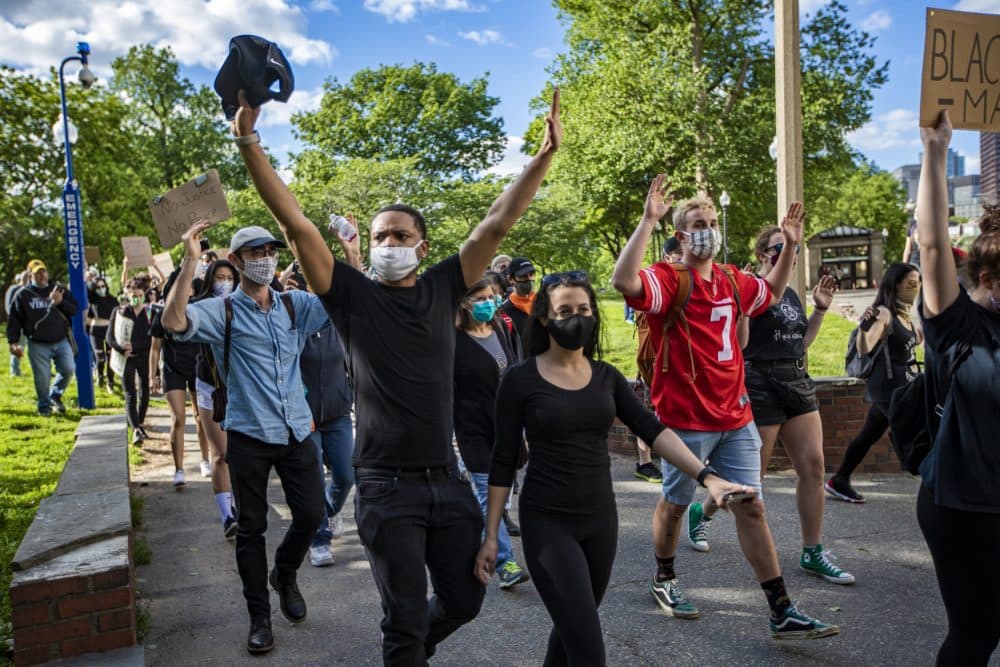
x,y
777,598
665,569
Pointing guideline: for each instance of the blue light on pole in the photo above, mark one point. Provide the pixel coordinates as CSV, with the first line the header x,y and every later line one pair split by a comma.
x,y
74,237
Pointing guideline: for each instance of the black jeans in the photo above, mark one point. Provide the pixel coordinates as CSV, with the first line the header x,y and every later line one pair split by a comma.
x,y
876,424
135,383
250,461
101,352
967,578
570,559
412,519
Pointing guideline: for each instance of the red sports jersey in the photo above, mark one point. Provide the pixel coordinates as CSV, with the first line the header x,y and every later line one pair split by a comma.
x,y
703,389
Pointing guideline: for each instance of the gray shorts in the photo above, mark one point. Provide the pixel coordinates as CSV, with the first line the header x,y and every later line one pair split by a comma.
x,y
734,454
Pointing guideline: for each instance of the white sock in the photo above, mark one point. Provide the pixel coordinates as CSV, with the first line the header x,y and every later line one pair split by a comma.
x,y
225,502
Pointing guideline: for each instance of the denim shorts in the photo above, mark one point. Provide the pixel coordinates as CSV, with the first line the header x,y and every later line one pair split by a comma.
x,y
734,454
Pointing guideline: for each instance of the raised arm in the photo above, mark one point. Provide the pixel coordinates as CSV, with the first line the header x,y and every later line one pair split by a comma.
x,y
174,317
303,237
485,239
625,277
937,264
791,229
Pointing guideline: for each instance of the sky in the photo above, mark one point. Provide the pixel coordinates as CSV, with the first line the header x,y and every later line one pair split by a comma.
x,y
514,41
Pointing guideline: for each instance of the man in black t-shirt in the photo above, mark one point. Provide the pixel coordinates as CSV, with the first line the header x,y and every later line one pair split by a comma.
x,y
414,511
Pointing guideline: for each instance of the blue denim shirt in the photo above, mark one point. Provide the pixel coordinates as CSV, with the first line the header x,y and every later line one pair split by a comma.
x,y
266,395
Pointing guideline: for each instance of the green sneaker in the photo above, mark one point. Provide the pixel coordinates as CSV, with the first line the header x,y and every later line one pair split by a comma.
x,y
793,624
698,527
670,596
816,560
512,574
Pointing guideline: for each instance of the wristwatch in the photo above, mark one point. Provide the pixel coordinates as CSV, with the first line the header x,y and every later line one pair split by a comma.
x,y
247,139
705,472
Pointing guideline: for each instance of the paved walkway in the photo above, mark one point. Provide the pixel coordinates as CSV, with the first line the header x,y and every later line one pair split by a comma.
x,y
893,616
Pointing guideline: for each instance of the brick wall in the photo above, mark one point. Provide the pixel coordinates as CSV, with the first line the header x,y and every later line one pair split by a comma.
x,y
843,412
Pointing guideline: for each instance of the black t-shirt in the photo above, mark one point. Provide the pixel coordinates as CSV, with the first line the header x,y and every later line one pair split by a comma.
x,y
101,307
568,463
963,470
778,333
178,358
401,346
902,346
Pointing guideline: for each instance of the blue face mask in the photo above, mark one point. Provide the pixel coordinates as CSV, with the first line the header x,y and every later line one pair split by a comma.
x,y
483,311
498,299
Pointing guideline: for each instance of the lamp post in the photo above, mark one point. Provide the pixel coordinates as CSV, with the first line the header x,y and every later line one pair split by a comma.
x,y
74,235
724,202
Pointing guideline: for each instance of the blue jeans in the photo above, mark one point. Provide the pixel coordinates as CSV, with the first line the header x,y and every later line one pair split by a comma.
x,y
41,356
335,444
734,454
15,361
505,550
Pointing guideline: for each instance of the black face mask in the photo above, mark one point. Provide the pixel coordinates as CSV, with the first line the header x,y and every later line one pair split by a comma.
x,y
524,287
573,332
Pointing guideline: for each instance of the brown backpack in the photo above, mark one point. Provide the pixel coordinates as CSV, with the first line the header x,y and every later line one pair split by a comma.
x,y
646,355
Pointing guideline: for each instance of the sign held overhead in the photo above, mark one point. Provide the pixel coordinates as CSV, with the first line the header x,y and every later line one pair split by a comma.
x,y
201,198
961,70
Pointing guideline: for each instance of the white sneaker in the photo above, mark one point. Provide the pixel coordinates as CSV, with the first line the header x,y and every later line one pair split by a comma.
x,y
337,526
206,469
179,479
320,556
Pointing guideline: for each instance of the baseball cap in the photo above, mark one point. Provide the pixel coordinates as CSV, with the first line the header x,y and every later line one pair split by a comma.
x,y
253,65
520,266
253,237
36,265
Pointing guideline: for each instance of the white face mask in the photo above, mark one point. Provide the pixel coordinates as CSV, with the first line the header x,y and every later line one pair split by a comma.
x,y
704,243
222,288
395,262
260,271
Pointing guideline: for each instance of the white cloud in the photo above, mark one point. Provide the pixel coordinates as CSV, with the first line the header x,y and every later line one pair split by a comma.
x,y
37,35
985,6
513,160
324,6
275,114
543,53
876,21
401,11
483,37
434,41
895,129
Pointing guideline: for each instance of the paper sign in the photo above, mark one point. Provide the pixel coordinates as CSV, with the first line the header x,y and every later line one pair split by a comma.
x,y
201,198
137,250
92,254
164,263
961,70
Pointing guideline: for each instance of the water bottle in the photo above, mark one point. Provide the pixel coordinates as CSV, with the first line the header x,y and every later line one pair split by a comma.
x,y
343,227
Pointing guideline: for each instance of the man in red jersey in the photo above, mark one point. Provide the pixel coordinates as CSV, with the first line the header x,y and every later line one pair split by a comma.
x,y
698,390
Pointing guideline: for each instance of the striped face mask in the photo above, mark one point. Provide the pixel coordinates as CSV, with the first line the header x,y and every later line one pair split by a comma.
x,y
704,243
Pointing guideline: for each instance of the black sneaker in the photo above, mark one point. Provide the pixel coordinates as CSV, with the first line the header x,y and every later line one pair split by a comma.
x,y
260,639
58,404
649,472
841,489
293,605
512,528
229,528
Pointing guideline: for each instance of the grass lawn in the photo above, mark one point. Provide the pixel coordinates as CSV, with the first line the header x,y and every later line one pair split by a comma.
x,y
33,451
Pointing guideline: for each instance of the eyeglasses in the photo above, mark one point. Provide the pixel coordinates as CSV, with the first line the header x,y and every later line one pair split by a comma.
x,y
778,247
564,278
259,253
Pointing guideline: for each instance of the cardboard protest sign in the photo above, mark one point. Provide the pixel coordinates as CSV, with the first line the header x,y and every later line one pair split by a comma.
x,y
92,255
164,263
961,70
201,198
137,250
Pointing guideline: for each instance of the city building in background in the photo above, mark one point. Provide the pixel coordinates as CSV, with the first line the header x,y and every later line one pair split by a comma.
x,y
989,156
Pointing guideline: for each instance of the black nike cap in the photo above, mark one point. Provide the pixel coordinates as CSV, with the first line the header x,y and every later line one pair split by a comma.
x,y
253,65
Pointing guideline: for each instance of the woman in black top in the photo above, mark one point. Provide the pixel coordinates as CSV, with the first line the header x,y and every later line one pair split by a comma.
x,y
886,321
102,304
135,378
483,352
958,506
565,402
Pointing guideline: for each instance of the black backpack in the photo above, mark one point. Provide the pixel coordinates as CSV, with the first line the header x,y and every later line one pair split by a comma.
x,y
861,366
915,414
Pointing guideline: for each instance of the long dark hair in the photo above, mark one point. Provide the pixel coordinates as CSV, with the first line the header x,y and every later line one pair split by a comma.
x,y
206,282
889,287
538,337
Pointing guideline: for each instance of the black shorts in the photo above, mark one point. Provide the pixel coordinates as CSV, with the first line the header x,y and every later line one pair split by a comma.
x,y
779,391
173,380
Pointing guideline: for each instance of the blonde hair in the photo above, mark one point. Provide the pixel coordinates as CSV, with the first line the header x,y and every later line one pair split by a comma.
x,y
688,205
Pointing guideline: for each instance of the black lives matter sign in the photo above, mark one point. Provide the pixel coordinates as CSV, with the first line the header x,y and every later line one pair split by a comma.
x,y
961,70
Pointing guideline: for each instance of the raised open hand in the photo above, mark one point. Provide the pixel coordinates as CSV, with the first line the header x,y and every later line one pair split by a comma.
x,y
824,291
659,199
553,127
791,225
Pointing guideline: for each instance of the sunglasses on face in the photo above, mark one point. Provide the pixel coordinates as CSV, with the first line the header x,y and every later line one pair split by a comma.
x,y
564,277
778,247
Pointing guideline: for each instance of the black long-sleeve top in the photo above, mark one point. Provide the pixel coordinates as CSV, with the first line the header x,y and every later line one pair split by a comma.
x,y
33,314
569,469
143,321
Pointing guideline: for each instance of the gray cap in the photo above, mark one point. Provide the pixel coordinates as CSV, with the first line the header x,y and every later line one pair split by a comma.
x,y
253,237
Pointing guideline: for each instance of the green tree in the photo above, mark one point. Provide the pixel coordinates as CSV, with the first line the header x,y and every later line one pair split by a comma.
x,y
399,112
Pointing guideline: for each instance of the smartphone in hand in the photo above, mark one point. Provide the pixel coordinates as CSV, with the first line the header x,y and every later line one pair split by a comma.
x,y
738,497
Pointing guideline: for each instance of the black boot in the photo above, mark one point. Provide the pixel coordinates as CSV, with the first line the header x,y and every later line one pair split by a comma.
x,y
293,605
260,639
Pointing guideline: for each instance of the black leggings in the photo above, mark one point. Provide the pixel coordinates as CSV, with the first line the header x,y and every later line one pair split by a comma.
x,y
876,424
967,578
570,558
135,383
